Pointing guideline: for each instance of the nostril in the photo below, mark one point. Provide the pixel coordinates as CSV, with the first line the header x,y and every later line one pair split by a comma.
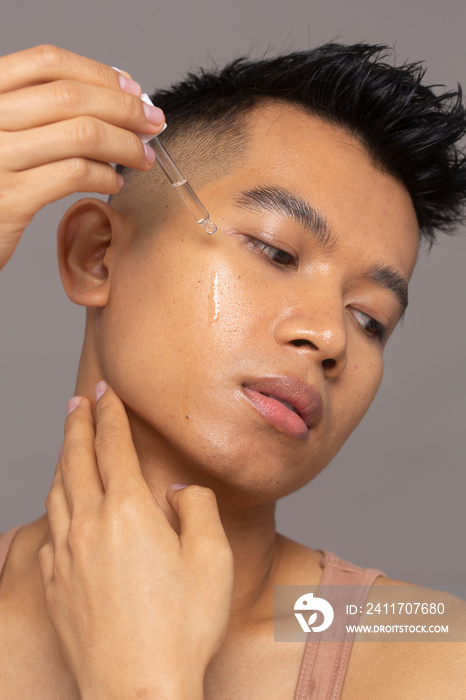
x,y
300,341
328,364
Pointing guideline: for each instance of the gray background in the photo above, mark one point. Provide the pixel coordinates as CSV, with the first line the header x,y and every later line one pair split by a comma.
x,y
394,496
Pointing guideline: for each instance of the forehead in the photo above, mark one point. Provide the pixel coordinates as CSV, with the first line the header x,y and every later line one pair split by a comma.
x,y
331,170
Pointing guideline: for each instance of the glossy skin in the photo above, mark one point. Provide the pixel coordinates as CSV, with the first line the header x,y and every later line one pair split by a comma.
x,y
183,296
180,324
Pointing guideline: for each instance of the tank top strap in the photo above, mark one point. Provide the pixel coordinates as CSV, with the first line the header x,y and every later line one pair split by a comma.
x,y
5,544
340,572
325,663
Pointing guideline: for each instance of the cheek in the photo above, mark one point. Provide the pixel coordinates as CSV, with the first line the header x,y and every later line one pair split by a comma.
x,y
172,332
355,394
231,308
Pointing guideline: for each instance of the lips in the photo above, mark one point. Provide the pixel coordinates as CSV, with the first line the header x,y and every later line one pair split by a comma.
x,y
288,403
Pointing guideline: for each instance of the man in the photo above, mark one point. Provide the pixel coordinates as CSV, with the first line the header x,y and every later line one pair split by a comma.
x,y
236,364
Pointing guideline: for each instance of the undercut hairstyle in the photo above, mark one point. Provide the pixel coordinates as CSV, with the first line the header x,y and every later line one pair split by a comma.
x,y
410,130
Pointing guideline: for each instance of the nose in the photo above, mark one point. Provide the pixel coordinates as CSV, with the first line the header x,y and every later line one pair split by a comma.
x,y
319,332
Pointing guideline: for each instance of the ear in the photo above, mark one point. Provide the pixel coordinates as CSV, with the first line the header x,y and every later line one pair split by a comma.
x,y
85,234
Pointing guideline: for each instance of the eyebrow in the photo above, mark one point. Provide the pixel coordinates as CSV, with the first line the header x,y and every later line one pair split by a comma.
x,y
284,202
281,201
387,277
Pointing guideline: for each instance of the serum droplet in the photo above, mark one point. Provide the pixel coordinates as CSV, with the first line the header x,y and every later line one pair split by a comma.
x,y
209,226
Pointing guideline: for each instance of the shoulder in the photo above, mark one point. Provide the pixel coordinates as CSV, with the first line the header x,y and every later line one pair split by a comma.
x,y
421,654
398,663
19,570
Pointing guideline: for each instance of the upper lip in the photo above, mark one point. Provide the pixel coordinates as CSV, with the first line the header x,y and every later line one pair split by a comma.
x,y
305,398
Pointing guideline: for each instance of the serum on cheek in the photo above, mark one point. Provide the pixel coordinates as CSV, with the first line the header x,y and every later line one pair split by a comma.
x,y
214,299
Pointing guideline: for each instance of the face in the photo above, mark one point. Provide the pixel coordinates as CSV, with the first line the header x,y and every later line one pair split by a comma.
x,y
246,358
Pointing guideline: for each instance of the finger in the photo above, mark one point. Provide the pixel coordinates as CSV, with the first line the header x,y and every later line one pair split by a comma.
x,y
81,479
199,517
45,63
63,99
49,183
58,512
82,137
46,184
116,455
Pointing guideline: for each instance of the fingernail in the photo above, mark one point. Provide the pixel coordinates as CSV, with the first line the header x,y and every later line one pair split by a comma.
x,y
120,179
124,72
72,404
100,388
177,487
154,115
150,154
128,85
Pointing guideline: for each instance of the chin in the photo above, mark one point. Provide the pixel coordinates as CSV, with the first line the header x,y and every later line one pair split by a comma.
x,y
252,464
251,474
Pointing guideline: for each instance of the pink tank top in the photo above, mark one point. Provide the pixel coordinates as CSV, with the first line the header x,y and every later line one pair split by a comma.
x,y
324,666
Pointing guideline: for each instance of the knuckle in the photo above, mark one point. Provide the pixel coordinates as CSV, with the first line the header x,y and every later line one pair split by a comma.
x,y
133,149
80,532
76,169
133,106
68,462
74,455
66,93
201,493
127,507
107,439
43,555
50,501
48,55
104,74
87,132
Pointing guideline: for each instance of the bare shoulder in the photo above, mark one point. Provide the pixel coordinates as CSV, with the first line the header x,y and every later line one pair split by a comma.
x,y
419,651
31,665
298,564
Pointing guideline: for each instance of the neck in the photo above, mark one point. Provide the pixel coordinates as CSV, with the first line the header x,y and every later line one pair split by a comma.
x,y
250,528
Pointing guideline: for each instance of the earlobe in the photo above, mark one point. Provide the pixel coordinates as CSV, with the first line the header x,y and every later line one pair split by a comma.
x,y
84,236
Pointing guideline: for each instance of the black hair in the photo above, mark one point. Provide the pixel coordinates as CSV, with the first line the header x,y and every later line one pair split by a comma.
x,y
409,130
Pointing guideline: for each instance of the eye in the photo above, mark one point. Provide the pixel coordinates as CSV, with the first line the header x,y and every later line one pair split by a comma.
x,y
372,327
275,255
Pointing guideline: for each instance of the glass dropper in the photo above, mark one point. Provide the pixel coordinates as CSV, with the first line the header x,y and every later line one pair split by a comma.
x,y
178,181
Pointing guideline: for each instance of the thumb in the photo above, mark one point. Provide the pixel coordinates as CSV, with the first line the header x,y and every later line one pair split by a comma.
x,y
197,510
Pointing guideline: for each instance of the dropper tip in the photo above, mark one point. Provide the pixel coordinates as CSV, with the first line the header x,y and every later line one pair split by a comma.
x,y
209,226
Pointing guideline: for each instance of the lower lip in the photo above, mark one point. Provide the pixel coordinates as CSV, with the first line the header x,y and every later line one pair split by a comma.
x,y
278,415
